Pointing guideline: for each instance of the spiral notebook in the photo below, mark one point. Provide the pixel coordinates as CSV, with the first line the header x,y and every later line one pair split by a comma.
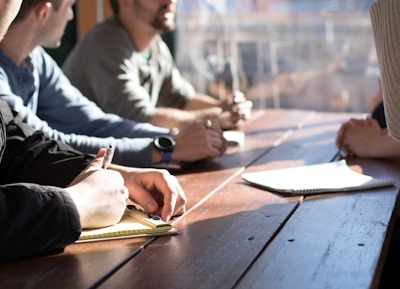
x,y
134,223
315,179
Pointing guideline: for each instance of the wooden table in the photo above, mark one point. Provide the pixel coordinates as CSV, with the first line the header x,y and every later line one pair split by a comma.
x,y
237,236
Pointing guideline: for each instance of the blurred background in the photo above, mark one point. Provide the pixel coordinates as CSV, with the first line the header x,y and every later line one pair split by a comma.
x,y
309,54
306,54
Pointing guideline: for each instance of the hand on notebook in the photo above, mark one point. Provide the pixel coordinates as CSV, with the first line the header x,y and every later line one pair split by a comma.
x,y
364,138
156,191
99,195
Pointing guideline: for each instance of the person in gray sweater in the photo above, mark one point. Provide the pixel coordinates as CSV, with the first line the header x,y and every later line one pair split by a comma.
x,y
124,66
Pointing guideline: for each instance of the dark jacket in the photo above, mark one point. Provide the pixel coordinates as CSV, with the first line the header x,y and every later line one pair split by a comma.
x,y
36,214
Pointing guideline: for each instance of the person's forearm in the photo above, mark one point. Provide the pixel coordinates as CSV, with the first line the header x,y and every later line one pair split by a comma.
x,y
201,101
171,117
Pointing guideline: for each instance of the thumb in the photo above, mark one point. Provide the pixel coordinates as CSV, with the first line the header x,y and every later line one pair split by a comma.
x,y
373,122
97,162
94,165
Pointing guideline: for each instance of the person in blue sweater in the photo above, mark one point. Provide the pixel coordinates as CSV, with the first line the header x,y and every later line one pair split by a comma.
x,y
34,85
49,192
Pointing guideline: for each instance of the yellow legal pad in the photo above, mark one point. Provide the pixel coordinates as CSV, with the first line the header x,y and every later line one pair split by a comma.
x,y
134,223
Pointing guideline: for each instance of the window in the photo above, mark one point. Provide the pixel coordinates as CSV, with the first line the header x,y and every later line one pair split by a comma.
x,y
307,54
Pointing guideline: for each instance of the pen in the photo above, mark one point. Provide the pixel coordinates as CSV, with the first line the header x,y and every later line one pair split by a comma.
x,y
108,157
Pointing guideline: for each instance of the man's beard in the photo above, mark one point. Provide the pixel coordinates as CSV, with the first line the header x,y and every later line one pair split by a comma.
x,y
163,25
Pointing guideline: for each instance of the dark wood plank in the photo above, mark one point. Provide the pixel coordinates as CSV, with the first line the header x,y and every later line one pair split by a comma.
x,y
265,129
220,239
217,242
91,262
312,142
78,267
332,241
228,223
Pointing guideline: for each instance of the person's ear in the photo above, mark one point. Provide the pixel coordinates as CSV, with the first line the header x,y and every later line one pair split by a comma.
x,y
43,10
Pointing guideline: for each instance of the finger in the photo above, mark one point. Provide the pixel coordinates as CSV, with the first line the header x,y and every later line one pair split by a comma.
x,y
180,201
346,147
242,109
245,105
358,122
217,140
145,199
340,135
214,132
238,96
223,148
346,151
241,114
247,115
173,197
373,123
338,142
211,123
168,208
97,162
236,120
167,189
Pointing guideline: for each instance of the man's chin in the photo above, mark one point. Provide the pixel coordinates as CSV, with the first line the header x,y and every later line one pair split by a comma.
x,y
52,45
168,28
165,25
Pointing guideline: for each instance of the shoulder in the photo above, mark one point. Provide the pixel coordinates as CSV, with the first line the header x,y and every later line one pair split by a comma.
x,y
110,30
42,61
6,63
39,54
106,38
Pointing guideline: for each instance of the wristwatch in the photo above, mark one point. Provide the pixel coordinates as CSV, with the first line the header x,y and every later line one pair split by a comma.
x,y
165,145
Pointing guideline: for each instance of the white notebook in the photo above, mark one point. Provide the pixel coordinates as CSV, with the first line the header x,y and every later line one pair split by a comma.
x,y
313,179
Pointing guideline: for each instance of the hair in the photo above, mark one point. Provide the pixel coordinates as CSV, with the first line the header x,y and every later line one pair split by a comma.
x,y
115,7
27,6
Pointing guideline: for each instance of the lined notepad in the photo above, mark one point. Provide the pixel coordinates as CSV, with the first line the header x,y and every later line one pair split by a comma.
x,y
313,179
134,223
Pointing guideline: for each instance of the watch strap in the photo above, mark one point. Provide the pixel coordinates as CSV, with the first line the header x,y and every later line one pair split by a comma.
x,y
166,157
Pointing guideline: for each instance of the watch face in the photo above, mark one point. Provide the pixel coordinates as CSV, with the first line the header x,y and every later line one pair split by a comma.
x,y
164,143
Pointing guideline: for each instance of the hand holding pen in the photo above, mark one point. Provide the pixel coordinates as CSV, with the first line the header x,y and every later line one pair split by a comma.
x,y
157,191
99,195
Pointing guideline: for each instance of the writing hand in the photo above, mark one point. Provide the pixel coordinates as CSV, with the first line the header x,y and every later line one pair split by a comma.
x,y
99,195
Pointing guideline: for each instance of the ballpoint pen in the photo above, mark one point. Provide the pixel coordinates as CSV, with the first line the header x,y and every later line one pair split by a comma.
x,y
108,157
